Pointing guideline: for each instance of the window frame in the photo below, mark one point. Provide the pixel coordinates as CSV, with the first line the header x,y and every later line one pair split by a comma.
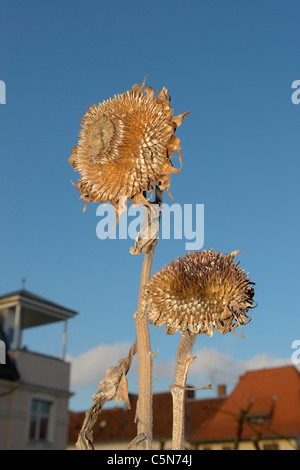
x,y
39,415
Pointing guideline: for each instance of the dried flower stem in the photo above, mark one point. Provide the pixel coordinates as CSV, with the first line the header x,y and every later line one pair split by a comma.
x,y
144,407
178,390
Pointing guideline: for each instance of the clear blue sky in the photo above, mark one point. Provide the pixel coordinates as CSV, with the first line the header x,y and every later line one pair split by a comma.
x,y
231,64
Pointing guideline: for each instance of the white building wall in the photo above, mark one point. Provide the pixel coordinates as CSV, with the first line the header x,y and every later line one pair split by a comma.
x,y
41,378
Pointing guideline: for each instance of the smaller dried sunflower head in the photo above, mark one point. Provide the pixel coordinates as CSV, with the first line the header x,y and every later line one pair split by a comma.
x,y
200,292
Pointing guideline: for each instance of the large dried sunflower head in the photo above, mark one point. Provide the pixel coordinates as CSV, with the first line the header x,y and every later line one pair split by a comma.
x,y
200,292
125,146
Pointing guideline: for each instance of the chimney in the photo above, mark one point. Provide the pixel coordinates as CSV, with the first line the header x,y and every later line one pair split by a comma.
x,y
189,394
221,391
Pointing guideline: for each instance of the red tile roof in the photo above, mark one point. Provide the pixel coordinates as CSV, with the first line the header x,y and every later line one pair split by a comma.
x,y
270,400
117,424
113,424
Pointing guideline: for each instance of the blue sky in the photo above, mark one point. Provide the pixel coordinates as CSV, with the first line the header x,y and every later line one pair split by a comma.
x,y
231,64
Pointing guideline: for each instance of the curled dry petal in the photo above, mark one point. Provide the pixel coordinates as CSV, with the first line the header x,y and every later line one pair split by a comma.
x,y
125,146
200,292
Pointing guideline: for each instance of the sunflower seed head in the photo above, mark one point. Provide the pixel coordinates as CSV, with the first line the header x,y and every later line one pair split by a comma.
x,y
200,292
125,145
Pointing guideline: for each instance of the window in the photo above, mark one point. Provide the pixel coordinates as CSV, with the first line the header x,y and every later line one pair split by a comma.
x,y
258,419
10,337
39,420
273,446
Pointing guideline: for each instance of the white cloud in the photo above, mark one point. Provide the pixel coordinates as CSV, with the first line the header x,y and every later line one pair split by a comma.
x,y
213,367
90,367
210,366
264,361
212,360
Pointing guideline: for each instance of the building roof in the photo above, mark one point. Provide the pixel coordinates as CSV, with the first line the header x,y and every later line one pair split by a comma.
x,y
265,403
25,294
117,424
36,310
198,412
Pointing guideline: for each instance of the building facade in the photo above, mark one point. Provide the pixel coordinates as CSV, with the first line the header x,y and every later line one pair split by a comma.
x,y
34,387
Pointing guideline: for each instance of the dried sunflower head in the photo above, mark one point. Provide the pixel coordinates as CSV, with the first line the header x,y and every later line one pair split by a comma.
x,y
125,146
200,292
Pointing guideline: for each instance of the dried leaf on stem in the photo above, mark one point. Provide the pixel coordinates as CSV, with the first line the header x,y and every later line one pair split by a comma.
x,y
112,387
